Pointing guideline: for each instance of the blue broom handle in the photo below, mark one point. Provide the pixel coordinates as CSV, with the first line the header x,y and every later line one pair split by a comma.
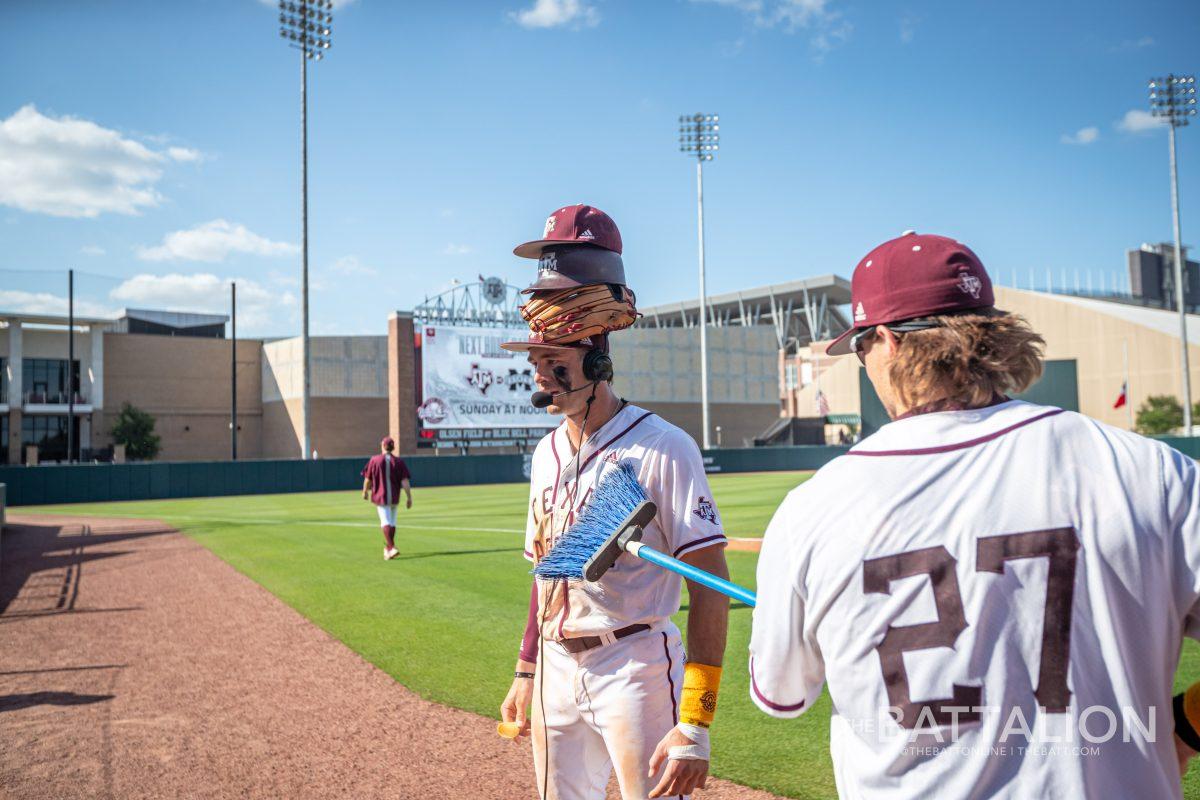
x,y
691,573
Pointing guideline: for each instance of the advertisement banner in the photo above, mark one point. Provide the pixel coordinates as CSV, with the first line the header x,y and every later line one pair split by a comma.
x,y
469,382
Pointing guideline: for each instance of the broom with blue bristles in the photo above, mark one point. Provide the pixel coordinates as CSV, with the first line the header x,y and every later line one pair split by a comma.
x,y
612,523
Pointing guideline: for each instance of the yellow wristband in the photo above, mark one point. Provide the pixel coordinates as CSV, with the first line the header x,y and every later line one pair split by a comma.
x,y
698,700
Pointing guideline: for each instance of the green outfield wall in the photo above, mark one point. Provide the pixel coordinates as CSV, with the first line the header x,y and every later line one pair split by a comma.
x,y
84,483
89,483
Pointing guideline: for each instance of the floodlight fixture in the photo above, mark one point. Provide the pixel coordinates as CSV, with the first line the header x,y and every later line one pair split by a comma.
x,y
1173,100
699,136
307,26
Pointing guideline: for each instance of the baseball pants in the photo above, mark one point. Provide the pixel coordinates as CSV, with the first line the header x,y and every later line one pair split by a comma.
x,y
387,515
603,708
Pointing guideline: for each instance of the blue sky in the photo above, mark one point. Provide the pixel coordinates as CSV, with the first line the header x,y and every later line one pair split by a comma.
x,y
159,143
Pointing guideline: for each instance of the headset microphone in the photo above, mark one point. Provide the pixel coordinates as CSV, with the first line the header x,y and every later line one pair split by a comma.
x,y
543,399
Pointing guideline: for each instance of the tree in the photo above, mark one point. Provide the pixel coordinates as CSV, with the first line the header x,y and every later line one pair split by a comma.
x,y
134,428
1160,413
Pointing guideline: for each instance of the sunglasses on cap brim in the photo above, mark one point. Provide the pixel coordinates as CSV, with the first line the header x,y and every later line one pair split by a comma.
x,y
898,328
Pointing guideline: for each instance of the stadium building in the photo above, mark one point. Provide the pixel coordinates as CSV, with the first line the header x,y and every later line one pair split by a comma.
x,y
437,380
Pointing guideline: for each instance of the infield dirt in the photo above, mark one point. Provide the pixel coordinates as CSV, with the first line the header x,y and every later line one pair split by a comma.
x,y
135,663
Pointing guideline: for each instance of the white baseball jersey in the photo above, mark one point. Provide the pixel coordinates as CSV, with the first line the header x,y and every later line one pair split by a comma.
x,y
996,598
669,467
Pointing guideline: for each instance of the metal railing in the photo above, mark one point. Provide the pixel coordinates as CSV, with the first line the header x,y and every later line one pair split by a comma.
x,y
52,398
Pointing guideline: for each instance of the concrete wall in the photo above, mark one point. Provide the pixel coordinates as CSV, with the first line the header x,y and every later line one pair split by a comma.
x,y
1098,342
663,365
836,378
342,366
185,383
349,399
1100,337
341,426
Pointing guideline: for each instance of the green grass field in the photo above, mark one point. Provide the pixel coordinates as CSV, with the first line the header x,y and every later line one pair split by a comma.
x,y
445,618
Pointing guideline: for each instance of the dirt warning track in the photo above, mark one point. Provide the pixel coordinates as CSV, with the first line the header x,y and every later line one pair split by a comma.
x,y
135,663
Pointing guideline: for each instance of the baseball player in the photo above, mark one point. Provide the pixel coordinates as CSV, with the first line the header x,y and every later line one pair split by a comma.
x,y
383,478
602,664
995,592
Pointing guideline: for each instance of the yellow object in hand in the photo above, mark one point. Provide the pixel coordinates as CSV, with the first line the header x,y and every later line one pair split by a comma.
x,y
509,730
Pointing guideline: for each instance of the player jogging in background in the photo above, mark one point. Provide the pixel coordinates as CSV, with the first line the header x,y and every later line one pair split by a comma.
x,y
384,476
995,592
602,663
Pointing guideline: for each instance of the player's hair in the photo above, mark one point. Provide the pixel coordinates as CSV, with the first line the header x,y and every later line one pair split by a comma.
x,y
968,359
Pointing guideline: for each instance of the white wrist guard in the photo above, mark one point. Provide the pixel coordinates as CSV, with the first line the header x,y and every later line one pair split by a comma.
x,y
698,750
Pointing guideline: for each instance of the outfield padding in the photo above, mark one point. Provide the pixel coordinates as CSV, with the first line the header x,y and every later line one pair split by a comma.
x,y
81,483
84,483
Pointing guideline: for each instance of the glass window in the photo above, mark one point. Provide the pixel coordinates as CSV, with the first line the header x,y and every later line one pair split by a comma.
x,y
49,433
45,379
3,439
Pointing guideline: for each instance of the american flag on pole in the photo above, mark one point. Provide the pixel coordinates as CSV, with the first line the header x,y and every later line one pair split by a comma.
x,y
822,404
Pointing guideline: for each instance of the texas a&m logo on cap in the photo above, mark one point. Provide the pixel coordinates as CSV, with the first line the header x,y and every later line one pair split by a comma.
x,y
970,284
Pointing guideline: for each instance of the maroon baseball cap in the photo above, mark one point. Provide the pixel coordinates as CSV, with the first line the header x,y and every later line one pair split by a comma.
x,y
388,442
577,224
580,245
915,275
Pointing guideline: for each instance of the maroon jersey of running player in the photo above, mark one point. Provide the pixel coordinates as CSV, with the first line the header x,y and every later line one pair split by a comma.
x,y
385,472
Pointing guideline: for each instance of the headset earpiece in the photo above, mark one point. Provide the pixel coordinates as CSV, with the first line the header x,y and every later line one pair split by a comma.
x,y
597,366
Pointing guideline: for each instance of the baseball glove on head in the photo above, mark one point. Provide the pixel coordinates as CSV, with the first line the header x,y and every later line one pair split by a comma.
x,y
569,315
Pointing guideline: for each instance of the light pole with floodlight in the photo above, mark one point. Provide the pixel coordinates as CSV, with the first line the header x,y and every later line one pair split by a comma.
x,y
306,25
699,136
1174,100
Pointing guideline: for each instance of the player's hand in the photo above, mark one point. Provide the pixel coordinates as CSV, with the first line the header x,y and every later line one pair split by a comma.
x,y
366,496
515,707
683,775
1184,754
408,503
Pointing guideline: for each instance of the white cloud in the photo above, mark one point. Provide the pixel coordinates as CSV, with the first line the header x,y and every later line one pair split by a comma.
x,y
48,303
212,242
557,13
336,3
828,27
908,28
92,250
1134,44
202,292
350,265
184,154
69,167
458,249
1138,121
792,14
1082,136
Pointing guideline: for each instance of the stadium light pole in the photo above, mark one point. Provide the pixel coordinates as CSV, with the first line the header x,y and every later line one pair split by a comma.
x,y
70,366
699,136
233,426
305,25
1174,100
